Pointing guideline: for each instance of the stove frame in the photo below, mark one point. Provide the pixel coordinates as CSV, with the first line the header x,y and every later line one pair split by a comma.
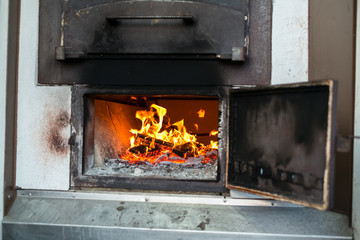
x,y
79,179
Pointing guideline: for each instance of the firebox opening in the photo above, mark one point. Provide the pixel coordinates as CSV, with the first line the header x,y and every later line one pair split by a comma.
x,y
150,136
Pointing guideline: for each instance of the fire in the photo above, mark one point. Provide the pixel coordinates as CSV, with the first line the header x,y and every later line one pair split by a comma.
x,y
156,142
201,113
213,133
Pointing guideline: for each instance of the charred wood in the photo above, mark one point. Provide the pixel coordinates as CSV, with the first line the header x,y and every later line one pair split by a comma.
x,y
157,141
185,149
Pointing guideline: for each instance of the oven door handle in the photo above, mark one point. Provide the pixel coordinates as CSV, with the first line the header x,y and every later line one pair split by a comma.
x,y
187,19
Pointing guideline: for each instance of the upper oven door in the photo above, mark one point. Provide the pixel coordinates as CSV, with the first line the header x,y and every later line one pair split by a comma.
x,y
281,142
152,42
153,30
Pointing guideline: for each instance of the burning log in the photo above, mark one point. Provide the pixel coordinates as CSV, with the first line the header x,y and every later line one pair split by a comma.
x,y
185,149
157,141
153,143
147,147
141,149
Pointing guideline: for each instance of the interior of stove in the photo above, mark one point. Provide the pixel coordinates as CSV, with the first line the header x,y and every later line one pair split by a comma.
x,y
151,136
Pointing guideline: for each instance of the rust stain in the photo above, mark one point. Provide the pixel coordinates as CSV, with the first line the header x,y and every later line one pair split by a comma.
x,y
55,141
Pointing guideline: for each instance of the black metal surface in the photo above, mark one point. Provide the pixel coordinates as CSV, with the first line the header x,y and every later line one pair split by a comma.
x,y
153,27
189,66
280,141
82,129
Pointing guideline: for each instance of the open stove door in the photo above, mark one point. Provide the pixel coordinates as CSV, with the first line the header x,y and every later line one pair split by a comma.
x,y
281,142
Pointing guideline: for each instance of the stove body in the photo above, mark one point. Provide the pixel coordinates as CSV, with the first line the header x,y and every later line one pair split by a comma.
x,y
193,48
73,70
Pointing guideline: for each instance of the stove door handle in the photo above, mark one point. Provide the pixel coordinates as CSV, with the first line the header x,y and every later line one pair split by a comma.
x,y
187,19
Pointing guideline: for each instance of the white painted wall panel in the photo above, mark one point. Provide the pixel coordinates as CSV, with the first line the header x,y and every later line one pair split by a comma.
x,y
43,116
4,6
290,41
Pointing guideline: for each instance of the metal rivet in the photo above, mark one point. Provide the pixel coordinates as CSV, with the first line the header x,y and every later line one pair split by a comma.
x,y
246,18
74,196
9,196
146,199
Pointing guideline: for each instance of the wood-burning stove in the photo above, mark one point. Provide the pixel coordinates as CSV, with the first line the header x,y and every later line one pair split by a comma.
x,y
79,209
112,51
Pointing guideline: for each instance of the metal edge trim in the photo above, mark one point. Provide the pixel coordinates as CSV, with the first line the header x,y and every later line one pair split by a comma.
x,y
156,198
172,231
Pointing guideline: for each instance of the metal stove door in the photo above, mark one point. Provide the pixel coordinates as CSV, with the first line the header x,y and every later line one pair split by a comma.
x,y
281,142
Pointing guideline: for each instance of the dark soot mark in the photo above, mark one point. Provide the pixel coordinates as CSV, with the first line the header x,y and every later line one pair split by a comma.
x,y
56,143
120,208
202,225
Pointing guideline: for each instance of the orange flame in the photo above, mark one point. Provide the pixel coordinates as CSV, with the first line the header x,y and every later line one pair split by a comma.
x,y
213,133
214,144
150,125
161,142
201,113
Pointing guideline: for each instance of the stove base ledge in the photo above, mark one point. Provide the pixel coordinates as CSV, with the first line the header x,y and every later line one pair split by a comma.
x,y
39,217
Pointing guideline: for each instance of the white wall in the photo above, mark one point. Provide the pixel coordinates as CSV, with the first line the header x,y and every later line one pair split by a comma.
x,y
4,7
356,166
290,41
43,116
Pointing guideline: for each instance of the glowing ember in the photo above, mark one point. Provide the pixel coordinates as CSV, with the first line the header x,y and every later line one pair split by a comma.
x,y
154,142
213,133
201,113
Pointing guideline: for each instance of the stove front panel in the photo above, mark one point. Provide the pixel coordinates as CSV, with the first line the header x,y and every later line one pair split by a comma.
x,y
149,139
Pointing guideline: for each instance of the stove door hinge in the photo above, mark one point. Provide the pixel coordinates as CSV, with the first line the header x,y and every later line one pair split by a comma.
x,y
62,54
237,54
72,140
343,143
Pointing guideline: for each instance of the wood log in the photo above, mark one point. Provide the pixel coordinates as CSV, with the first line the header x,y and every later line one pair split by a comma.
x,y
185,149
158,141
142,149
